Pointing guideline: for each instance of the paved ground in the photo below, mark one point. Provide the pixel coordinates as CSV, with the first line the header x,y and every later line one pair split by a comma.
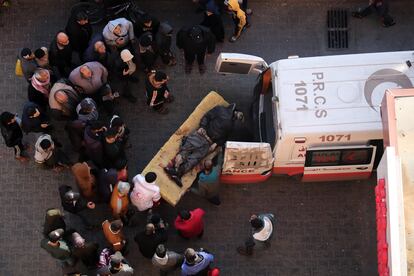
x,y
322,229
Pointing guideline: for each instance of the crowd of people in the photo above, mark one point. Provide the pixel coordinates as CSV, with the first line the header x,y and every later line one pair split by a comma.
x,y
75,80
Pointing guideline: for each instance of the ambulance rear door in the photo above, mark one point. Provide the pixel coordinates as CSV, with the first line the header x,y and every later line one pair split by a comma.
x,y
338,163
246,162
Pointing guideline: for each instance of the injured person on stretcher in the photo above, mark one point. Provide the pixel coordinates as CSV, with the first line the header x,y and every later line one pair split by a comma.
x,y
215,128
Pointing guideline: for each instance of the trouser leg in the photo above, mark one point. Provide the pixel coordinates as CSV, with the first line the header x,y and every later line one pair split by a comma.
x,y
201,58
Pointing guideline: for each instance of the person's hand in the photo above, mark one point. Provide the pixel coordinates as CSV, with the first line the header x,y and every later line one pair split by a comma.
x,y
119,41
202,131
44,125
91,205
125,72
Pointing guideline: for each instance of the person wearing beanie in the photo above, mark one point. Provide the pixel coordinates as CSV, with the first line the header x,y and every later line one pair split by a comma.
x,y
63,100
113,234
34,119
166,260
262,232
120,200
149,239
115,264
28,63
87,110
164,40
39,88
190,224
148,51
13,135
42,57
147,23
119,34
60,55
158,92
123,71
196,262
87,252
79,31
196,41
57,247
212,20
114,153
146,192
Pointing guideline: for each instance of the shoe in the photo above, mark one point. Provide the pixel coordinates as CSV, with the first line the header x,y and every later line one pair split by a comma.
x,y
188,68
249,12
170,171
388,24
22,158
243,251
248,25
202,69
163,110
177,180
233,39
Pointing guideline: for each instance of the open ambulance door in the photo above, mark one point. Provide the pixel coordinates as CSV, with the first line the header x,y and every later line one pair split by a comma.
x,y
338,163
246,162
232,63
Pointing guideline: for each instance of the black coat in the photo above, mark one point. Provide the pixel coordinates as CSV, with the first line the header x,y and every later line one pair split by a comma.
x,y
114,155
80,205
12,134
37,97
79,35
53,220
93,147
184,41
215,24
33,124
88,254
106,182
140,28
148,243
91,55
61,58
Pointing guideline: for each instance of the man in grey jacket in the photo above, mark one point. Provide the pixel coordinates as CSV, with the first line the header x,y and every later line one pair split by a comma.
x,y
89,77
119,33
166,260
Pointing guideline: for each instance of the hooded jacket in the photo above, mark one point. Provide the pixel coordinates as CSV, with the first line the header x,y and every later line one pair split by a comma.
x,y
144,194
238,15
127,32
63,109
79,35
141,28
184,40
12,134
33,124
41,155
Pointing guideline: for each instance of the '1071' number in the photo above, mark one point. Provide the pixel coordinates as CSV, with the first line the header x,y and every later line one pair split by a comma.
x,y
335,138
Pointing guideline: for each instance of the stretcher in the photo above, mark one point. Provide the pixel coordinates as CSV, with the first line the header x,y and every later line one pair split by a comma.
x,y
170,192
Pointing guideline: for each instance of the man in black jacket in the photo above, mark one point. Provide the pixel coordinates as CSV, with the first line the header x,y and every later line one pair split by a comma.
x,y
114,154
13,135
79,31
34,119
60,55
146,23
195,41
149,239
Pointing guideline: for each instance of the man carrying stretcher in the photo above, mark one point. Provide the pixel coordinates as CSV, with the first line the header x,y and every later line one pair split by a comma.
x,y
215,127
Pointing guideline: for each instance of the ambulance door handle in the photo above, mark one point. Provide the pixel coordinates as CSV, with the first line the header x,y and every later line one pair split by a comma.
x,y
362,168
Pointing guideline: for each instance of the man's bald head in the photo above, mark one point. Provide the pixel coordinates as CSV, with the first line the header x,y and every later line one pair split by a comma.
x,y
61,97
62,39
85,72
100,47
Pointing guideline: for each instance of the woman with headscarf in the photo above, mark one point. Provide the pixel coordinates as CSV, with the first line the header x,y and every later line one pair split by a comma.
x,y
120,200
85,179
39,88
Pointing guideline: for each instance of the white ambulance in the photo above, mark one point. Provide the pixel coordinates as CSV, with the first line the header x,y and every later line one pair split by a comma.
x,y
316,117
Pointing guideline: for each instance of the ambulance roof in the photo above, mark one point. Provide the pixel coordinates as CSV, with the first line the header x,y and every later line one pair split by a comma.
x,y
337,93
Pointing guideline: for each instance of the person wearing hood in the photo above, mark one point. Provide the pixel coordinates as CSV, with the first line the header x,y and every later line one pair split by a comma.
x,y
196,41
213,21
63,99
79,31
85,179
166,260
28,63
60,55
97,51
164,40
48,155
39,88
239,18
87,252
34,119
196,262
262,232
119,33
13,135
120,201
146,192
147,23
87,110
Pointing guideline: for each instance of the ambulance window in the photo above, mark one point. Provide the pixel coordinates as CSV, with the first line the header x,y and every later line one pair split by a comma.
x,y
338,157
267,127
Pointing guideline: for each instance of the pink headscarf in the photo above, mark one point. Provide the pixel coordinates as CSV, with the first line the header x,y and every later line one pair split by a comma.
x,y
43,87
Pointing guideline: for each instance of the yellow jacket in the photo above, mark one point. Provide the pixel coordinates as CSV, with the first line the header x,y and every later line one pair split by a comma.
x,y
239,13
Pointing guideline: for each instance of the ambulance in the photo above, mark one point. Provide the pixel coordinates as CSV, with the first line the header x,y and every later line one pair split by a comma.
x,y
317,118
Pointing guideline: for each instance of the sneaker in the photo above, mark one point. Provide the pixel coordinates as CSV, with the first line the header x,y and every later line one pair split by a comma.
x,y
233,39
388,24
188,68
202,68
356,15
